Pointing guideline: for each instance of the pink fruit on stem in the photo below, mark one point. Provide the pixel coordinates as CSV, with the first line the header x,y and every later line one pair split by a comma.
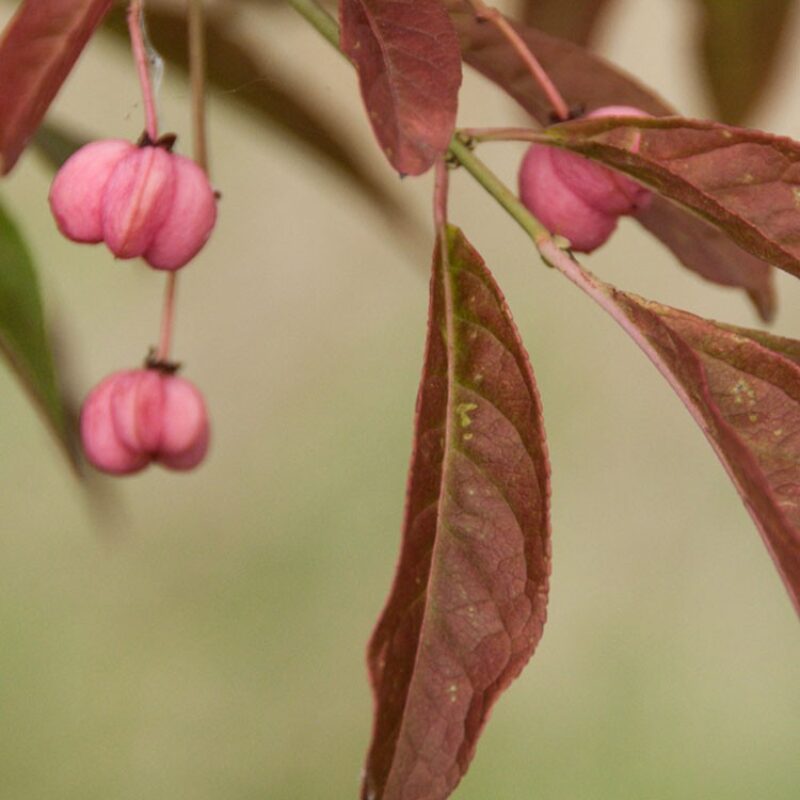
x,y
575,197
141,201
137,416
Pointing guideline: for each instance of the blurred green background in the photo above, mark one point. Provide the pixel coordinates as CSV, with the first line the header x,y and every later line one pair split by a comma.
x,y
201,636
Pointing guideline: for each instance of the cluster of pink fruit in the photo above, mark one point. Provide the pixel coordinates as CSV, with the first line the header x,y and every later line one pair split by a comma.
x,y
141,200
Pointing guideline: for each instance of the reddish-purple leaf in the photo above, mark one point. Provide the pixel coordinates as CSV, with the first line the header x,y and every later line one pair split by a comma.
x,y
742,387
469,598
37,51
745,182
584,79
588,81
409,67
704,249
739,45
575,20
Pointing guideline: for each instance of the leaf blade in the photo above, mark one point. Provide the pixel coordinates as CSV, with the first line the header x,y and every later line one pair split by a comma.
x,y
409,68
38,49
23,338
478,496
584,79
741,387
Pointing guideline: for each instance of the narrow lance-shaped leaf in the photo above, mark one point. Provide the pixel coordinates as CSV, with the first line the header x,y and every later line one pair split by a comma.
x,y
23,338
38,49
260,86
409,67
469,597
745,182
575,20
739,45
742,387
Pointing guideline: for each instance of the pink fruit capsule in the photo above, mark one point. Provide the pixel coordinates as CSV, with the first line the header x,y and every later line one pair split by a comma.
x,y
577,198
140,200
134,417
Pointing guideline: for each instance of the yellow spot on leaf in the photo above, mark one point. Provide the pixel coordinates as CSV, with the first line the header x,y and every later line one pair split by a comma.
x,y
463,409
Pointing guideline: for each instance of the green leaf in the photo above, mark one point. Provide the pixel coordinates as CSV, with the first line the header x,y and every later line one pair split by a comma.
x,y
23,338
740,41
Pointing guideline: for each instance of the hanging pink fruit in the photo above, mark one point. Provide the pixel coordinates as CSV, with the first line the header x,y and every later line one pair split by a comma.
x,y
137,416
140,200
577,198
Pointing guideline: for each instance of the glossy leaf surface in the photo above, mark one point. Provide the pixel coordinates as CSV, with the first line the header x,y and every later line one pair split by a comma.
x,y
745,182
706,250
469,597
409,67
23,339
575,20
739,45
37,51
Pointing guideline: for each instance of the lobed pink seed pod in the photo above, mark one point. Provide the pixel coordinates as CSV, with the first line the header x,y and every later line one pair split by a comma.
x,y
140,200
77,191
575,197
137,416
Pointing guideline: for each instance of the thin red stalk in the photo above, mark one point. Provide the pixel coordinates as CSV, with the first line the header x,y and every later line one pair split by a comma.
x,y
492,15
135,26
197,69
167,318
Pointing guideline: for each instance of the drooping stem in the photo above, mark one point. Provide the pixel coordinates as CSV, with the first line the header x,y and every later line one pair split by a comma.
x,y
197,80
136,30
493,16
167,318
